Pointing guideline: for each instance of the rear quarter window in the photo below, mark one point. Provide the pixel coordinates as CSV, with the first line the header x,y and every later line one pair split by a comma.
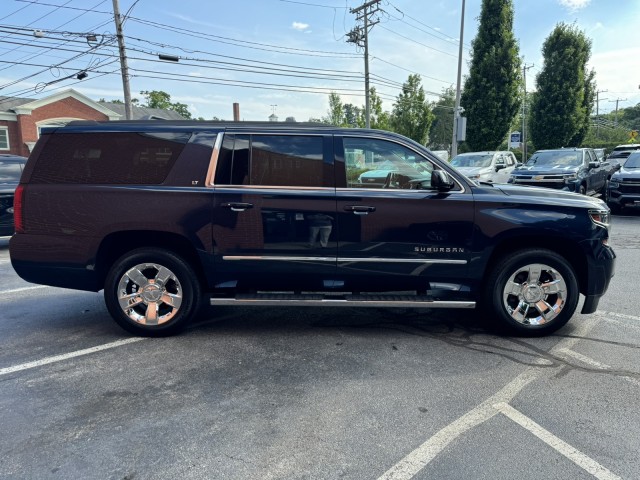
x,y
108,158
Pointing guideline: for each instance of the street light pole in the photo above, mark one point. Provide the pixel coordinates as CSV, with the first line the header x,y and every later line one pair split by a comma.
x,y
456,111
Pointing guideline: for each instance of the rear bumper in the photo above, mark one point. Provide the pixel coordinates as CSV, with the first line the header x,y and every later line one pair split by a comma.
x,y
55,261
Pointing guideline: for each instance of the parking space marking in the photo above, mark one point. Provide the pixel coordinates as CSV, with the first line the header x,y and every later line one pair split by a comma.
x,y
419,458
66,356
410,465
620,315
590,361
562,447
23,289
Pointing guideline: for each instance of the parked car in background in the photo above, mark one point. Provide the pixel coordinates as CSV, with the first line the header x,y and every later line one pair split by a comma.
x,y
624,187
493,167
11,167
441,154
571,169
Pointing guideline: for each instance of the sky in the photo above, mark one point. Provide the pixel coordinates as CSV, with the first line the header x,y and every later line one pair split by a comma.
x,y
286,56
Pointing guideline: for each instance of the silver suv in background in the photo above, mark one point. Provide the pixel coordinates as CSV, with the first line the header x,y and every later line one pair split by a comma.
x,y
493,167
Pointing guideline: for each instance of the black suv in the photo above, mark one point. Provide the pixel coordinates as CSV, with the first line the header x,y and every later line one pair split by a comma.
x,y
624,187
571,169
11,167
158,214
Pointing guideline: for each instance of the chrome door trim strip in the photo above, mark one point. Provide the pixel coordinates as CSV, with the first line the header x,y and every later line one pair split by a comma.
x,y
444,261
279,258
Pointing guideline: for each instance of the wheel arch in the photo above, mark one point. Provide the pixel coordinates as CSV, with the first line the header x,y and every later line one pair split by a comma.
x,y
568,249
116,244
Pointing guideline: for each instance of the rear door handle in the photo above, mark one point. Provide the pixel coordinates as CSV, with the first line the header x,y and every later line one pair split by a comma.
x,y
237,207
359,209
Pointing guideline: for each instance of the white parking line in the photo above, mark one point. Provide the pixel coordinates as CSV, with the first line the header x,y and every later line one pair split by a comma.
x,y
23,289
580,459
419,458
620,315
66,356
410,465
590,361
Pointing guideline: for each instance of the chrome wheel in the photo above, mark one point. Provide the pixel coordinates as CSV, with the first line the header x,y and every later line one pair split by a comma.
x,y
150,294
535,294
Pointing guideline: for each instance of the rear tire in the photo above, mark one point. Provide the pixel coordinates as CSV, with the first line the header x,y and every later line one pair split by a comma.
x,y
152,292
531,292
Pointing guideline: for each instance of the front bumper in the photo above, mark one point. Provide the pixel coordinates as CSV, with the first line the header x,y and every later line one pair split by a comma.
x,y
625,196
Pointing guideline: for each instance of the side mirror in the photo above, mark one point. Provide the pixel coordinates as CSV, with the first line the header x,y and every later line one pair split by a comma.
x,y
594,164
441,181
500,166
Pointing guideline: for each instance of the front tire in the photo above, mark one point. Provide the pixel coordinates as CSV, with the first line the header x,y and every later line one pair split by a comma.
x,y
152,292
531,293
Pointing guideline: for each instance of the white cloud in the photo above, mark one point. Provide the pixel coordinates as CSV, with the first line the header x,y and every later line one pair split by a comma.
x,y
574,5
300,26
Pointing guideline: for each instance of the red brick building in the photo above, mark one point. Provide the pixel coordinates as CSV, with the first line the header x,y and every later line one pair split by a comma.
x,y
22,118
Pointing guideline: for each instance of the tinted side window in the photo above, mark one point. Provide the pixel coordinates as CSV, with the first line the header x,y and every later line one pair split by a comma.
x,y
374,163
233,161
109,158
287,160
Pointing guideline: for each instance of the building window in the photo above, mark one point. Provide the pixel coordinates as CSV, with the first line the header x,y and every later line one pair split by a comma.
x,y
4,138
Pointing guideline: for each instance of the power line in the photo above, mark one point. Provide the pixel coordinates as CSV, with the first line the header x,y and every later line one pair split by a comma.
x,y
419,43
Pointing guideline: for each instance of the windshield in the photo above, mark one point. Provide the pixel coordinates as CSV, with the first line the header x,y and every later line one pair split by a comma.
x,y
633,161
472,161
10,172
556,158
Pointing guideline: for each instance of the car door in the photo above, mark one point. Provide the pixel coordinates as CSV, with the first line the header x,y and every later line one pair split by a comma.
x,y
274,211
596,175
507,163
403,235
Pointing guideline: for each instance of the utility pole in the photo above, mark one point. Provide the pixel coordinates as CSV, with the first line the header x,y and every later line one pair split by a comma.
x,y
123,60
360,36
598,99
525,67
456,110
618,100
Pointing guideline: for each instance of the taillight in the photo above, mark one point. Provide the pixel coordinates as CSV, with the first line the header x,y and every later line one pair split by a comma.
x,y
18,202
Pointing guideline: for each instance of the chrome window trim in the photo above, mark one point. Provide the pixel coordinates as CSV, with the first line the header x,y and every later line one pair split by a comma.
x,y
393,140
345,259
213,162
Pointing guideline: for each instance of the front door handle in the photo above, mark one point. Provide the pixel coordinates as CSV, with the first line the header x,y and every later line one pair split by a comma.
x,y
359,209
237,207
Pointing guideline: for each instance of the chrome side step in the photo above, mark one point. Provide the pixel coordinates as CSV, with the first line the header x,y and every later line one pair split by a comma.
x,y
333,300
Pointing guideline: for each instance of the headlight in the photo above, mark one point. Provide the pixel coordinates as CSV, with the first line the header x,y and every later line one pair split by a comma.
x,y
614,184
570,178
600,217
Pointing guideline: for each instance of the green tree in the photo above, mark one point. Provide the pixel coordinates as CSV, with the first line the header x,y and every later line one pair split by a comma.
x,y
411,115
162,100
335,114
442,127
561,110
491,94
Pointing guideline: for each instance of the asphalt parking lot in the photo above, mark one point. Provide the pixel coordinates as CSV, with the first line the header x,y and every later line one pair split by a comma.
x,y
270,393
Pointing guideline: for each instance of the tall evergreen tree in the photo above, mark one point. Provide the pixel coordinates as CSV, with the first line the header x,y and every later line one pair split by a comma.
x,y
491,94
442,126
411,114
561,110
